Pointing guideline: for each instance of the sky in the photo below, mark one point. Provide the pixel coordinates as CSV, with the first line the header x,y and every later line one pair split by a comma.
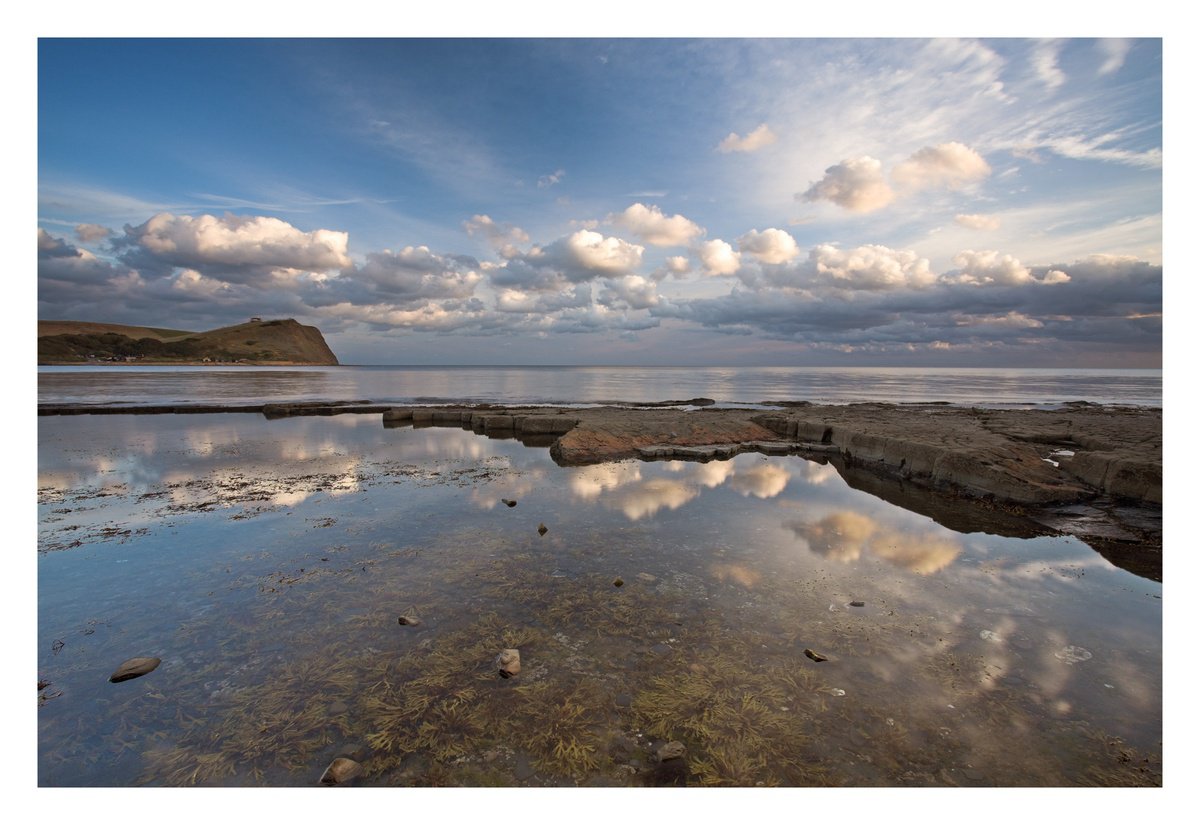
x,y
835,201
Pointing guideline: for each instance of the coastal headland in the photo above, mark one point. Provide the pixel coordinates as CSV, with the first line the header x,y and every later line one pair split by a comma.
x,y
1083,469
279,342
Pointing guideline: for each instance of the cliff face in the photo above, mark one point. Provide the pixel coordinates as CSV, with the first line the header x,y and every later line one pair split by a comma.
x,y
284,342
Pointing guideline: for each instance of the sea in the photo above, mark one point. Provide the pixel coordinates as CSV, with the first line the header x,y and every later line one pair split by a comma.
x,y
320,588
597,385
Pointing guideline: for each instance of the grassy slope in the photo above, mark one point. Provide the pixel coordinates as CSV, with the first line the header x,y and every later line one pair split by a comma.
x,y
280,341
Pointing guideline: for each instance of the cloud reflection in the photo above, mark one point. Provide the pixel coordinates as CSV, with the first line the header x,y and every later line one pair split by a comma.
x,y
845,536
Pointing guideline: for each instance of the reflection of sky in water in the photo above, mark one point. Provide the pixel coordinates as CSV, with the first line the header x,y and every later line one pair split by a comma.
x,y
776,545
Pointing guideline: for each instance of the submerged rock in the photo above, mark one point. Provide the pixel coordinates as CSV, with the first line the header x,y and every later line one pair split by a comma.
x,y
409,620
618,581
509,662
509,502
816,657
671,750
341,771
542,529
858,604
133,668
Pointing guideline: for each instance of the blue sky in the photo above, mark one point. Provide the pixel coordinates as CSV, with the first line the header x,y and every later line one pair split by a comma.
x,y
630,201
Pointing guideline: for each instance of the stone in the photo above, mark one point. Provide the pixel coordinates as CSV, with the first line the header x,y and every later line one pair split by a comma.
x,y
398,414
671,750
858,604
542,529
409,620
133,668
618,581
341,771
816,657
509,662
509,502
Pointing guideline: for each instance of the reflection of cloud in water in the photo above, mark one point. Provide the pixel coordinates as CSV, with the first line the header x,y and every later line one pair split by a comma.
x,y
648,497
846,535
739,573
712,474
763,481
815,473
486,496
589,482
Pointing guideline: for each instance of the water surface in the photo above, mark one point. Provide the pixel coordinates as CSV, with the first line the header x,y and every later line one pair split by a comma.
x,y
267,562
566,385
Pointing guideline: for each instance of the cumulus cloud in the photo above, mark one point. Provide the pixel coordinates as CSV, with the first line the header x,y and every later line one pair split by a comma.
x,y
869,267
990,267
980,222
91,232
60,261
760,137
634,291
415,273
947,165
580,256
771,246
718,258
650,225
678,265
856,184
502,237
233,243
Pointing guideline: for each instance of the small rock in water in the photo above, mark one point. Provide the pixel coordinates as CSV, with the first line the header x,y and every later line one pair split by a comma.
x,y
509,662
341,771
134,668
509,502
618,581
671,750
816,657
542,529
409,620
858,604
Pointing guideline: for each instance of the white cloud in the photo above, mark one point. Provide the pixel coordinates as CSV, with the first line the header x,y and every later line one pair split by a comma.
x,y
89,232
718,258
549,180
678,265
856,184
649,224
949,165
989,267
760,137
771,246
503,237
1114,50
1045,63
980,222
594,252
870,267
237,241
637,292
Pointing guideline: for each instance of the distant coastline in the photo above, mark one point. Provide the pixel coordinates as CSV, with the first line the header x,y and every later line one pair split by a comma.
x,y
272,343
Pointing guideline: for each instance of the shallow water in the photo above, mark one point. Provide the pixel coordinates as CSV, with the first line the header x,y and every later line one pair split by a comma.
x,y
567,385
267,562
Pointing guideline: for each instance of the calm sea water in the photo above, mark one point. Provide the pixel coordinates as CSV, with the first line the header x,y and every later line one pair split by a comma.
x,y
574,385
266,564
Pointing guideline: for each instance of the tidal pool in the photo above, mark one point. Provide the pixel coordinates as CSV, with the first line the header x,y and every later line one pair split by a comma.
x,y
267,564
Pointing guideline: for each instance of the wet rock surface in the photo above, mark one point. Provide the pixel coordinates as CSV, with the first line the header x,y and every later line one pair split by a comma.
x,y
341,771
133,668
